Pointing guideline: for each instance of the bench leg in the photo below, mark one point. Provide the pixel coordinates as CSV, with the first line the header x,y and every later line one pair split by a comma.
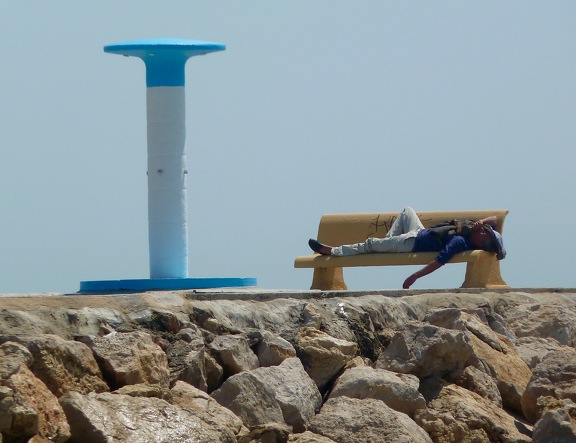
x,y
484,273
328,279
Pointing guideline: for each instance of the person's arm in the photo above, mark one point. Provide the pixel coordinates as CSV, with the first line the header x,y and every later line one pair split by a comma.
x,y
429,268
492,221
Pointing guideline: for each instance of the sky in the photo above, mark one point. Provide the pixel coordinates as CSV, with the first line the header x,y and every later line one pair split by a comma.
x,y
315,107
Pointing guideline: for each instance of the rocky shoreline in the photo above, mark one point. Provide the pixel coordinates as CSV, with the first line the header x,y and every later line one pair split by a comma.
x,y
289,366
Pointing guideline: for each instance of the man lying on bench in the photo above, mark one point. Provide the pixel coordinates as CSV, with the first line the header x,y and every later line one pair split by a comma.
x,y
407,234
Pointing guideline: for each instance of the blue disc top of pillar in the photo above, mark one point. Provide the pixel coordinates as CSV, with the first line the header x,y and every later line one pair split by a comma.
x,y
164,57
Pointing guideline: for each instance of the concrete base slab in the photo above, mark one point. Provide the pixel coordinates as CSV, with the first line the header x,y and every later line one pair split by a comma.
x,y
163,284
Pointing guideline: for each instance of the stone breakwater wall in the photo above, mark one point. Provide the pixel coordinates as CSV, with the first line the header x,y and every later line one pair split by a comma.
x,y
460,366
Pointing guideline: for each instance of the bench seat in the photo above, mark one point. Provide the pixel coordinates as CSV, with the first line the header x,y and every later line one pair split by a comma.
x,y
482,271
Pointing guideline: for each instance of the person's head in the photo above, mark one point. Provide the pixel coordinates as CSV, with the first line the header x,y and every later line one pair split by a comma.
x,y
489,240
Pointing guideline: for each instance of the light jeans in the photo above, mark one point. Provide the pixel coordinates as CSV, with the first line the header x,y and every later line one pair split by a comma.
x,y
400,238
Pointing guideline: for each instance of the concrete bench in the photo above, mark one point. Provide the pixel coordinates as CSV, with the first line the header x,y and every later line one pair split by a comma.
x,y
482,270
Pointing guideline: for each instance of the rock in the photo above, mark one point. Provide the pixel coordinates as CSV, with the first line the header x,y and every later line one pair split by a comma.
x,y
205,407
543,320
131,358
533,349
101,418
287,387
234,353
351,420
268,433
145,390
380,384
187,362
456,412
482,344
214,373
481,383
323,356
273,350
29,409
63,365
309,437
250,399
354,324
492,353
12,356
191,334
557,423
554,376
425,350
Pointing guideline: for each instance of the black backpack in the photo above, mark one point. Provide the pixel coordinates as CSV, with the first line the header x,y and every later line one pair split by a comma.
x,y
444,231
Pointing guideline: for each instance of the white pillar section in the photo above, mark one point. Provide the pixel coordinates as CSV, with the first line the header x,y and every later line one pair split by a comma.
x,y
165,60
167,227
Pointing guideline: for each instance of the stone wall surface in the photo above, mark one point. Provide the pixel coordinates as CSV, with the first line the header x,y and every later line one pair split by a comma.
x,y
253,366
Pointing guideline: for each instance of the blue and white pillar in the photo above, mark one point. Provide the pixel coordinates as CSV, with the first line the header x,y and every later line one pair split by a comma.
x,y
165,60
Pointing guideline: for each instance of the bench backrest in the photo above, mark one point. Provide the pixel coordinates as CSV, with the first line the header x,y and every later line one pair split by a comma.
x,y
343,229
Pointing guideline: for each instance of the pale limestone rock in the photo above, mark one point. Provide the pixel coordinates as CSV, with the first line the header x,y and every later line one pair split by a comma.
x,y
291,389
63,365
456,412
101,418
557,423
493,353
311,318
426,350
12,356
352,420
273,350
131,358
533,349
234,353
544,320
205,407
380,384
247,396
554,376
323,356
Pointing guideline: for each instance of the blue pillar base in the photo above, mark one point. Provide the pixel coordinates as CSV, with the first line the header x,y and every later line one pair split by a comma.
x,y
163,284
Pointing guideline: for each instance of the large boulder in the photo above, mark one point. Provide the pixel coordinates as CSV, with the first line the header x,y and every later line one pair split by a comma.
x,y
128,358
426,350
554,376
492,353
533,349
544,320
27,407
351,420
290,395
322,355
234,353
205,407
455,414
63,365
273,350
105,417
380,384
557,422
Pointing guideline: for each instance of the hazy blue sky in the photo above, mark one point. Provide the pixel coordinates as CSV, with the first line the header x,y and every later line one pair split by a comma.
x,y
315,107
